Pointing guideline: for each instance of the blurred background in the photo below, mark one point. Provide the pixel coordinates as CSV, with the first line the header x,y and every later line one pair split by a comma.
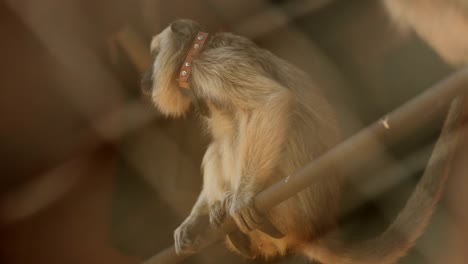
x,y
91,173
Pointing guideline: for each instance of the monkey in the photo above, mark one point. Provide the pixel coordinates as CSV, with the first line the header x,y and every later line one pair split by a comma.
x,y
267,119
443,24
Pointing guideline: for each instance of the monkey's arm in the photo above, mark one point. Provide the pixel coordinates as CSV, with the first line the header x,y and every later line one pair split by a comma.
x,y
262,135
187,235
205,209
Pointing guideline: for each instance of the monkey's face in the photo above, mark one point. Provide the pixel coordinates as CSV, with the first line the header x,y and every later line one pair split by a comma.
x,y
169,49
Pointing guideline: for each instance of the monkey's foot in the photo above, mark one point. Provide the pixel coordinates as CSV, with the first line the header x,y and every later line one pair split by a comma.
x,y
187,236
248,218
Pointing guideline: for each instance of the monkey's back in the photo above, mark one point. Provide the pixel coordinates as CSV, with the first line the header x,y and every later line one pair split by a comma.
x,y
312,130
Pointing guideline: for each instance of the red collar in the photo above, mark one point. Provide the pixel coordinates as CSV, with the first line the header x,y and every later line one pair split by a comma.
x,y
186,69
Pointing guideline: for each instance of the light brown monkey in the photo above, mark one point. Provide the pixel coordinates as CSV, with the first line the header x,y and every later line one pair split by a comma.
x,y
443,24
267,120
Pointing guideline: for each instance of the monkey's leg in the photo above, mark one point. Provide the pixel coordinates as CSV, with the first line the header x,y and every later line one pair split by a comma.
x,y
219,200
187,235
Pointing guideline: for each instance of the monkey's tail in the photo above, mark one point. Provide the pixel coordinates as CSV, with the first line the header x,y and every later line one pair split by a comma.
x,y
401,235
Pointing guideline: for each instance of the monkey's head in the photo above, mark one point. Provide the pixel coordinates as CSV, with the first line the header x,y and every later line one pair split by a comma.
x,y
168,50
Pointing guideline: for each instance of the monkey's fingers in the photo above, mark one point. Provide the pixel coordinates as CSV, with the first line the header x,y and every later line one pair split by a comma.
x,y
248,218
240,242
262,223
240,213
268,228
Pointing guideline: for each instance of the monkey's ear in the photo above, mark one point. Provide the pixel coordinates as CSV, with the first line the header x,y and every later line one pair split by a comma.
x,y
183,27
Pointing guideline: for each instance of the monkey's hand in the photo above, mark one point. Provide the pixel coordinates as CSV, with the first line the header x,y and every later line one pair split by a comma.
x,y
218,213
218,210
248,218
187,236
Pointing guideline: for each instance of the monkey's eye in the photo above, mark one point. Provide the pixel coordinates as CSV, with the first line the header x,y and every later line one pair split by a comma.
x,y
155,52
155,47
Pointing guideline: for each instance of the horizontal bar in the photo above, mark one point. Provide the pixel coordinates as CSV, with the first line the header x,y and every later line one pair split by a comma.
x,y
390,129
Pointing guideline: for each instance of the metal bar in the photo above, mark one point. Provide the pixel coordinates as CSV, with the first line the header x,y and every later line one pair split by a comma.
x,y
391,128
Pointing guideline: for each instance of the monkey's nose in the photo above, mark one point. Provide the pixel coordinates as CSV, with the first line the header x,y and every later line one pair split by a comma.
x,y
146,87
146,83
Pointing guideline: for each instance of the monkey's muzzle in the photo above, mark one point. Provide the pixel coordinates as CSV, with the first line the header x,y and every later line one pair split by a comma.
x,y
146,82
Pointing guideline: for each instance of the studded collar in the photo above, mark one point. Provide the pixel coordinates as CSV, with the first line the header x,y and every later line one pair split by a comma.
x,y
186,69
